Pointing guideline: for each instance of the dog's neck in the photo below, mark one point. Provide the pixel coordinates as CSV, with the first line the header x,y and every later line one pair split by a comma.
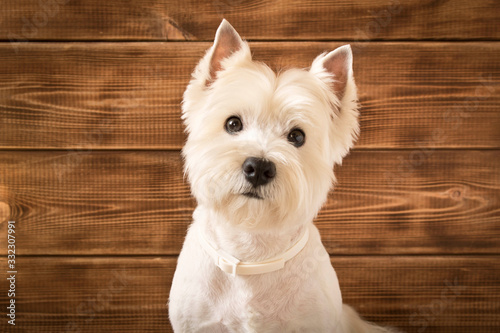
x,y
246,244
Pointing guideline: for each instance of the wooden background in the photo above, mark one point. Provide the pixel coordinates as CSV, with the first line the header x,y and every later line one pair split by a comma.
x,y
90,167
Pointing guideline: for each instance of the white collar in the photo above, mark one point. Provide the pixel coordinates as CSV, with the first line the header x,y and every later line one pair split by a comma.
x,y
234,266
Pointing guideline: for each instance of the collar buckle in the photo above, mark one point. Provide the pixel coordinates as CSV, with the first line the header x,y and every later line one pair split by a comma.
x,y
224,260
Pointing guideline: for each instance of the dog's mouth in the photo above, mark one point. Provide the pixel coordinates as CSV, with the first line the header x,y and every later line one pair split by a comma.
x,y
252,195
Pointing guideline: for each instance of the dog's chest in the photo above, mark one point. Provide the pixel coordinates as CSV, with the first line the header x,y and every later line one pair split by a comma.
x,y
284,301
257,306
301,297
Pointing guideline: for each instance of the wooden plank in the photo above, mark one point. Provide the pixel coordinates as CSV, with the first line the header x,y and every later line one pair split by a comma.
x,y
106,203
127,95
386,202
416,294
264,20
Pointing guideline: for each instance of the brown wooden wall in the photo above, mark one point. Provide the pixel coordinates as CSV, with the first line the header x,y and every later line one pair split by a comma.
x,y
90,169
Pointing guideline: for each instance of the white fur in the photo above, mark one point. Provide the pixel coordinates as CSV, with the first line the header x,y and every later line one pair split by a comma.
x,y
304,296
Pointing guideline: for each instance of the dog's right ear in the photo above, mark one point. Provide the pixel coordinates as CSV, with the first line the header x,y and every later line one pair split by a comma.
x,y
228,50
227,41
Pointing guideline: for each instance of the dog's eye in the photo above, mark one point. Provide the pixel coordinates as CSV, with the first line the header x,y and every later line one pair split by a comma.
x,y
233,125
297,137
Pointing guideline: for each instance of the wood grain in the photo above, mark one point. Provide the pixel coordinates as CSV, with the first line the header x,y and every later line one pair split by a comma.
x,y
435,294
127,95
120,203
256,20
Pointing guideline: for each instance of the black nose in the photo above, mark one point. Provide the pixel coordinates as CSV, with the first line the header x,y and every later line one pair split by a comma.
x,y
258,171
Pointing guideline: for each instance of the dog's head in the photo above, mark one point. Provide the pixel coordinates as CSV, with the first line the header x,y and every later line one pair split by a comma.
x,y
261,147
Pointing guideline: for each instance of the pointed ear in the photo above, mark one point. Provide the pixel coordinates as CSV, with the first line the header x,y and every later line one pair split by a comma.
x,y
339,63
335,69
227,41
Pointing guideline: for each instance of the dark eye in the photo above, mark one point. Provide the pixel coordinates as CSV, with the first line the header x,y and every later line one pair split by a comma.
x,y
233,125
297,137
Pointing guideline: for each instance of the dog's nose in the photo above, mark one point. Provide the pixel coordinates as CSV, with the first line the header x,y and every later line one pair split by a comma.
x,y
258,171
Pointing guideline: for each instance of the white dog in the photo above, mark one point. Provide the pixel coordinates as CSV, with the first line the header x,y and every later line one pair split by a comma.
x,y
259,158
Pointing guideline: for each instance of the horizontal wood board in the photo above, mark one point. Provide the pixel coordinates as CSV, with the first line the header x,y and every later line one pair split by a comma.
x,y
24,20
415,293
127,95
130,203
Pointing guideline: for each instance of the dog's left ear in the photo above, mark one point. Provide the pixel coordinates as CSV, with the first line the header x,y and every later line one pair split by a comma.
x,y
338,63
335,69
227,42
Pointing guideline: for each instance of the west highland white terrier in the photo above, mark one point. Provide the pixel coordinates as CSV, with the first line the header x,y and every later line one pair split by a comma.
x,y
259,157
